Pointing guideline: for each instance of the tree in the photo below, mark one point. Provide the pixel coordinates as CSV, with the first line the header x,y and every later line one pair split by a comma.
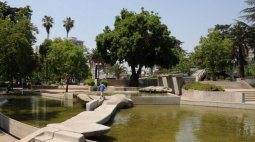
x,y
140,39
44,49
94,59
250,11
117,70
14,13
224,30
47,23
184,64
17,59
68,24
242,36
213,53
67,60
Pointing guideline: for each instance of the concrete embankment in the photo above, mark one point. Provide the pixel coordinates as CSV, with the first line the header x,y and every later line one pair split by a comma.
x,y
229,99
156,100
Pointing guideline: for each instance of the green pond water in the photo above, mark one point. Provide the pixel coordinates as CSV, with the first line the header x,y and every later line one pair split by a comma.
x,y
175,123
145,123
39,111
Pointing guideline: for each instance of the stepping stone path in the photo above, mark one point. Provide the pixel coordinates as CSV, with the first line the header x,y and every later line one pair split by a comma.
x,y
85,124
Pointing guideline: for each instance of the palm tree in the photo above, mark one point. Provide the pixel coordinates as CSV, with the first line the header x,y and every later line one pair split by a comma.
x,y
243,39
68,24
250,11
47,23
118,69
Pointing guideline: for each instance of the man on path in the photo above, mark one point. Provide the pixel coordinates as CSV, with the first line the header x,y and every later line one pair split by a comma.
x,y
101,88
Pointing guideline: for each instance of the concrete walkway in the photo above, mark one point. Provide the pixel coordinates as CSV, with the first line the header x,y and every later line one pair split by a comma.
x,y
6,137
85,124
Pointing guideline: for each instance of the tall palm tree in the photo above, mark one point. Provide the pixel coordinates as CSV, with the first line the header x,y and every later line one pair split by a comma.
x,y
249,12
68,24
243,38
47,23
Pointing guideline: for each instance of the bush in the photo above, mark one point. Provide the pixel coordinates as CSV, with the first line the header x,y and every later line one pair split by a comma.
x,y
104,81
202,87
89,82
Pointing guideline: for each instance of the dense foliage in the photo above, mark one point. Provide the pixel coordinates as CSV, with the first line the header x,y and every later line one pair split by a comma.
x,y
17,59
202,87
140,39
213,53
250,11
89,82
104,81
67,60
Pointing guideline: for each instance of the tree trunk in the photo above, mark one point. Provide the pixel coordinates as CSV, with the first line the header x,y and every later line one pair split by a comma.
x,y
241,62
46,71
214,76
10,86
67,83
134,78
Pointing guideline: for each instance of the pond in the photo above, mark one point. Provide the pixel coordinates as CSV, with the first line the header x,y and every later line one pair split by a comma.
x,y
181,123
39,111
144,123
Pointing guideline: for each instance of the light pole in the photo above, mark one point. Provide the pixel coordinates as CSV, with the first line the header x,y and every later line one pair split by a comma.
x,y
234,64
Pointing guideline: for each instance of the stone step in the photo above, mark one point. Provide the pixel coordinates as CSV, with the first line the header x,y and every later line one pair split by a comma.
x,y
66,136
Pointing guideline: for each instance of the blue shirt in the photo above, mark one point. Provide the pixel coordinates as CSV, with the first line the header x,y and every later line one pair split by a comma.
x,y
101,87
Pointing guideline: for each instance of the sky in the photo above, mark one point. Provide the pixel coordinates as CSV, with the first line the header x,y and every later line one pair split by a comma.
x,y
187,20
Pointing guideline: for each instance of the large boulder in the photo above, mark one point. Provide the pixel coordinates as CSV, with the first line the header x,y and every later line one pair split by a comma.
x,y
156,89
121,100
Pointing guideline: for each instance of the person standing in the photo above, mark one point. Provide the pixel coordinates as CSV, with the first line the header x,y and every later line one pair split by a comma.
x,y
101,88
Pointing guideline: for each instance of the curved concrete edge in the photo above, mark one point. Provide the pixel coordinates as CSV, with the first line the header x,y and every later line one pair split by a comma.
x,y
218,104
85,124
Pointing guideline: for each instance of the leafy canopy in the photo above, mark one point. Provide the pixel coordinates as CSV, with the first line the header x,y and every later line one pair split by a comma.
x,y
17,59
67,59
213,53
140,39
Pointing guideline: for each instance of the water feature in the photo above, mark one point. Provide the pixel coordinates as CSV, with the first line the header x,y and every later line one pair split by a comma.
x,y
38,111
164,123
180,123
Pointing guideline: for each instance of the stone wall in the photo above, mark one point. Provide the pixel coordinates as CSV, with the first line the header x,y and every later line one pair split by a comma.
x,y
173,81
148,82
125,83
114,82
213,96
14,127
156,100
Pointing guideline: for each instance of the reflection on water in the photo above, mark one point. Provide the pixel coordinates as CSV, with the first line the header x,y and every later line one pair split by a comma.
x,y
38,111
174,123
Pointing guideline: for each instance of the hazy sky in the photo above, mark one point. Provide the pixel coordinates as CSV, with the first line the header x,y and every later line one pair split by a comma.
x,y
186,19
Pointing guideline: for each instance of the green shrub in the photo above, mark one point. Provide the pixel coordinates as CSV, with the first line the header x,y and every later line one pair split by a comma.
x,y
202,87
89,82
104,81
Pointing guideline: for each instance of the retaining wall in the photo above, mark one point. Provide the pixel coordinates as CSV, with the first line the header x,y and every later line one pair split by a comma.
x,y
14,127
156,100
218,104
213,96
114,82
